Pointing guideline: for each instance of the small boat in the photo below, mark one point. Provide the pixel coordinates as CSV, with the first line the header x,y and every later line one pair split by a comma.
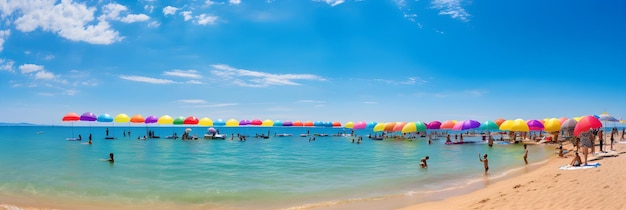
x,y
378,138
284,134
215,136
109,138
73,139
304,135
458,142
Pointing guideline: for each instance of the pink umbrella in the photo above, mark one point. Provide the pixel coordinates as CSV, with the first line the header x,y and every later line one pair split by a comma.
x,y
359,125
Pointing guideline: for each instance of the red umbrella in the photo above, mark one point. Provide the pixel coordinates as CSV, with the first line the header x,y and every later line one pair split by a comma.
x,y
586,123
191,120
71,117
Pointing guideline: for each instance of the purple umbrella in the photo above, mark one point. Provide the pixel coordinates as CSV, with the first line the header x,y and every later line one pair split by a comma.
x,y
466,125
287,123
244,122
535,125
151,119
434,125
88,116
212,130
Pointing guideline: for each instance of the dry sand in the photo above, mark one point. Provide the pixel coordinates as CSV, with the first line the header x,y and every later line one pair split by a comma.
x,y
549,187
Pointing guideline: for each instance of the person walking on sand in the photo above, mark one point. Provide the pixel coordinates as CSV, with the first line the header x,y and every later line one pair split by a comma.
x,y
525,155
601,139
485,162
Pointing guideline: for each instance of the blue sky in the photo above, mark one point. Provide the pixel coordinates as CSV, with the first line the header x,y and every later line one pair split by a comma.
x,y
318,60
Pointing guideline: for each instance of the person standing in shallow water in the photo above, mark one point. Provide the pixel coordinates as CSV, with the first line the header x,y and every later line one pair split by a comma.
x,y
485,162
525,155
111,159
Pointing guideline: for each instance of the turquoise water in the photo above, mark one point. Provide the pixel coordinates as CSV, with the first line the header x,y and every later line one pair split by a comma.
x,y
279,172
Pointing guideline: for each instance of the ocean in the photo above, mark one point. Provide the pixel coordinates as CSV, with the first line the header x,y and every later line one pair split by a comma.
x,y
38,163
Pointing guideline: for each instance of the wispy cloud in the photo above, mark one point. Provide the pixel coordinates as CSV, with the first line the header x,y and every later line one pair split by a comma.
x,y
4,34
146,79
131,18
248,78
408,81
193,74
186,15
7,65
193,101
452,8
235,2
332,3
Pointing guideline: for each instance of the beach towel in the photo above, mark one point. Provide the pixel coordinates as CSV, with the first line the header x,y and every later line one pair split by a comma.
x,y
588,166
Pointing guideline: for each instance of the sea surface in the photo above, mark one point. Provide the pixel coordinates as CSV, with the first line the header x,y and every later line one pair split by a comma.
x,y
275,173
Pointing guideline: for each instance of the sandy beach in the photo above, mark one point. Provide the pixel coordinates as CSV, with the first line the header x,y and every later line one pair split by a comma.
x,y
548,187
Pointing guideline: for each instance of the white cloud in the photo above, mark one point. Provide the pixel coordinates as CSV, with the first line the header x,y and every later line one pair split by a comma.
x,y
146,79
452,8
331,2
149,8
223,105
70,20
249,78
186,15
48,57
409,81
193,101
6,65
44,75
204,19
154,24
169,10
235,2
194,82
182,73
131,18
209,3
4,34
30,68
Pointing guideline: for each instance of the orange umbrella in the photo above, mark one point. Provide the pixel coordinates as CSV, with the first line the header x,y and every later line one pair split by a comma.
x,y
137,119
298,123
389,126
309,124
499,121
448,124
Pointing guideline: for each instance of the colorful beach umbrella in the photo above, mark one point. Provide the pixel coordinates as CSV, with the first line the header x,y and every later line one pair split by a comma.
x,y
205,121
552,125
165,120
105,118
586,123
287,123
219,122
267,123
379,127
71,117
488,125
466,125
359,125
151,119
499,121
244,122
448,124
433,125
297,123
191,120
137,119
569,124
413,127
121,118
278,123
256,122
389,126
308,124
607,117
179,120
232,123
398,127
336,124
535,125
88,116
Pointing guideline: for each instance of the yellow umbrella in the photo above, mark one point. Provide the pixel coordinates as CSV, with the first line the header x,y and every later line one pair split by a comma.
x,y
205,121
506,125
232,123
121,118
349,125
379,127
552,125
267,122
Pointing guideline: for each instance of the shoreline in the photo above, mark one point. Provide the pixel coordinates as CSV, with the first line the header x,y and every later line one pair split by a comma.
x,y
548,187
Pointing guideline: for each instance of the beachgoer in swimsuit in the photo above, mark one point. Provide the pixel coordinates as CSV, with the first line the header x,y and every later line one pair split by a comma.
x,y
525,155
111,159
423,163
576,161
485,162
585,143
